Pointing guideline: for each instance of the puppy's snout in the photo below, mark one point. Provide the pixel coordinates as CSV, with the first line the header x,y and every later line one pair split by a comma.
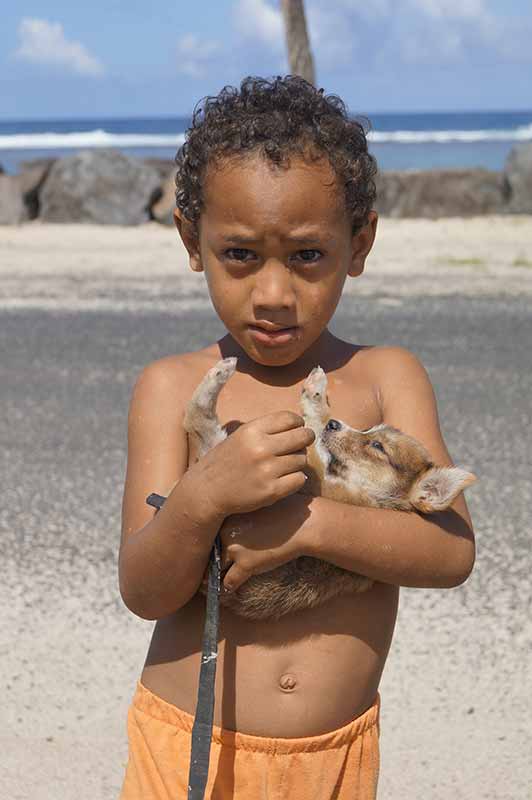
x,y
333,425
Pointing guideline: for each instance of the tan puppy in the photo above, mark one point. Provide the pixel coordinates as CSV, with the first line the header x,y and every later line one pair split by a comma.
x,y
380,467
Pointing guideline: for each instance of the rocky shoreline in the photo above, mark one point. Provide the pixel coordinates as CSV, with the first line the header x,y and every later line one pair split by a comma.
x,y
110,188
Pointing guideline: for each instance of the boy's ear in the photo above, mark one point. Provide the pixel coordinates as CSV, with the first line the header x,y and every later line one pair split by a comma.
x,y
189,235
361,244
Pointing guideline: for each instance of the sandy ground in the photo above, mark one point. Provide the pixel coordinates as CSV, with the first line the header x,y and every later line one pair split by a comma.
x,y
88,267
457,689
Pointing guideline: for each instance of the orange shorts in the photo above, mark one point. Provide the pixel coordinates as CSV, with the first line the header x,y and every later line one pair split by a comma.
x,y
339,765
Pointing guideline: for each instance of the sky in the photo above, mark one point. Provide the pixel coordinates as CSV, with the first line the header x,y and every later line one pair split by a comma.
x,y
63,59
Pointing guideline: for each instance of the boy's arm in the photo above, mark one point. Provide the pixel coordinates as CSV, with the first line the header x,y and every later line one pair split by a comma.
x,y
403,548
163,555
398,547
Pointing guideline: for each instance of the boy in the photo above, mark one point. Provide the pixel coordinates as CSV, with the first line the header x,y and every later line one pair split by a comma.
x,y
274,204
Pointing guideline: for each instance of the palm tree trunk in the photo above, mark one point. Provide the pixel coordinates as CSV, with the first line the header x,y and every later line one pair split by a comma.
x,y
297,42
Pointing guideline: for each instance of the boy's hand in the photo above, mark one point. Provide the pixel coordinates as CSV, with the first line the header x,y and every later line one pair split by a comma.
x,y
258,464
265,539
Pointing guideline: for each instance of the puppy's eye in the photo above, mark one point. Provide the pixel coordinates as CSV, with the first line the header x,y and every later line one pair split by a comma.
x,y
378,446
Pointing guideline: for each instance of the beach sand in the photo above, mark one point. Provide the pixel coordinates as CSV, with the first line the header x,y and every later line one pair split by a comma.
x,y
456,692
86,267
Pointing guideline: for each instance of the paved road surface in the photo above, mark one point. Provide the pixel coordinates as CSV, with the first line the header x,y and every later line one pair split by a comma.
x,y
457,709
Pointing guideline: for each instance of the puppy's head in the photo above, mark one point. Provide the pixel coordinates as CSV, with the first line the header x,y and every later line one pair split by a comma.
x,y
387,468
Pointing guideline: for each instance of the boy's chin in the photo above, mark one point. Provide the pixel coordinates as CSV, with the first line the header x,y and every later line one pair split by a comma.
x,y
273,356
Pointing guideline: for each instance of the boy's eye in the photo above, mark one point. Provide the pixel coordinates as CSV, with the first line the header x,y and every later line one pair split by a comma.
x,y
314,255
237,253
241,254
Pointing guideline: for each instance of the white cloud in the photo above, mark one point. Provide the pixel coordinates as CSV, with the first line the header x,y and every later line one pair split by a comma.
x,y
333,40
195,55
460,9
258,20
44,42
513,40
455,9
377,8
447,45
365,37
355,33
450,30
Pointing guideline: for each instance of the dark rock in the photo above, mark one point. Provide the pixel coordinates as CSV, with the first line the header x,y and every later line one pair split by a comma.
x,y
163,209
36,163
19,194
163,205
518,179
440,193
12,208
103,186
163,166
33,175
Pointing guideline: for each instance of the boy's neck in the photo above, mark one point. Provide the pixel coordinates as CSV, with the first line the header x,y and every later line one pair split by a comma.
x,y
327,351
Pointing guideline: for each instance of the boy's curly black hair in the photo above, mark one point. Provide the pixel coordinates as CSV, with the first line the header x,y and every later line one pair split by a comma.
x,y
276,117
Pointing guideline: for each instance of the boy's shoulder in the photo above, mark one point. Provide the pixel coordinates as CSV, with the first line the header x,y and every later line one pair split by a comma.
x,y
405,394
175,375
396,375
389,361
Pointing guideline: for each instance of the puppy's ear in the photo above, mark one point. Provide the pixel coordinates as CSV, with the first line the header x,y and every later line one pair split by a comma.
x,y
438,487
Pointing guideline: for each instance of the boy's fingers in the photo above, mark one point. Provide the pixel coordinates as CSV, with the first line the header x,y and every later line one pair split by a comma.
x,y
279,421
292,441
234,578
225,562
294,463
291,483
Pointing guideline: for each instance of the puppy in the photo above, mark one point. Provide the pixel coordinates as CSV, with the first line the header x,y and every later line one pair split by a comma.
x,y
380,467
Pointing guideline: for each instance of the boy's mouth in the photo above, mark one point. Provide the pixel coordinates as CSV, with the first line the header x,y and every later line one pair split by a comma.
x,y
270,334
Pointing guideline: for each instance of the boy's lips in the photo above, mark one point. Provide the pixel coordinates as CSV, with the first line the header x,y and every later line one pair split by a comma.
x,y
273,334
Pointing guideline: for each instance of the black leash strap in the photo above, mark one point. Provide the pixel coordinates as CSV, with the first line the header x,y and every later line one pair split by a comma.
x,y
202,728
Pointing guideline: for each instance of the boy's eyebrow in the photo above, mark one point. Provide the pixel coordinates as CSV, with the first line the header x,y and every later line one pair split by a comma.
x,y
308,239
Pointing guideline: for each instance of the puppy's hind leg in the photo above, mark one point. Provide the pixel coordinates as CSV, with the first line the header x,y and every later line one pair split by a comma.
x,y
201,421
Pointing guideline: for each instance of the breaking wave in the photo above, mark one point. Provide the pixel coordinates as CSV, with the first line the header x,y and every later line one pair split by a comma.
x,y
101,138
78,139
521,134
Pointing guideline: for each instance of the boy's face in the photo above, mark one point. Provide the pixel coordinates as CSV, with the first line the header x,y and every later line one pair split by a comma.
x,y
276,247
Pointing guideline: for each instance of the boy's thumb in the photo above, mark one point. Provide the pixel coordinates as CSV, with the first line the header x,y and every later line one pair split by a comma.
x,y
234,578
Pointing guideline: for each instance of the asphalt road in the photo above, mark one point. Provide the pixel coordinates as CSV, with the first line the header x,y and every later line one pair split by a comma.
x,y
456,693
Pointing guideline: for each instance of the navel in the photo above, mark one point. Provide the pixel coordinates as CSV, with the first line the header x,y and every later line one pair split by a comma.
x,y
287,682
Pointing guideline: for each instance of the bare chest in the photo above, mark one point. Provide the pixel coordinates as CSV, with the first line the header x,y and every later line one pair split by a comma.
x,y
352,400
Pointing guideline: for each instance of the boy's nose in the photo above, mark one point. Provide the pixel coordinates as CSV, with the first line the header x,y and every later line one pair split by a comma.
x,y
333,425
273,288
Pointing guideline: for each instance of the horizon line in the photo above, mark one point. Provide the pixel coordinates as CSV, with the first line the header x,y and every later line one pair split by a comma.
x,y
166,117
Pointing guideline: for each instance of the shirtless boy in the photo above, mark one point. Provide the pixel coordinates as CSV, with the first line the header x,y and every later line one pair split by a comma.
x,y
274,205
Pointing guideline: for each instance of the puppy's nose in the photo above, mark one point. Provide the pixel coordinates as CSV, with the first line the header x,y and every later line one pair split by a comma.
x,y
333,425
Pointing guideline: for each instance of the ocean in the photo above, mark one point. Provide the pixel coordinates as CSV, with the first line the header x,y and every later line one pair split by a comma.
x,y
399,141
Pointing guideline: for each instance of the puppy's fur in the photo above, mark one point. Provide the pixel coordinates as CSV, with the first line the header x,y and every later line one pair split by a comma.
x,y
380,467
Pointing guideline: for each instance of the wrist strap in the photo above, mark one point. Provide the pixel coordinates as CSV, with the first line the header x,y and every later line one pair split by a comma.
x,y
202,728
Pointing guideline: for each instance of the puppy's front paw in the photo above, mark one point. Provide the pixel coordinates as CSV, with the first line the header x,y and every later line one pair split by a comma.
x,y
201,421
314,398
223,370
315,386
211,385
